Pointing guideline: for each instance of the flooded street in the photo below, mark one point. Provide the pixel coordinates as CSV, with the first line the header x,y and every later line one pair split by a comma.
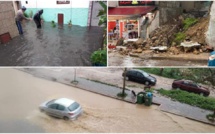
x,y
22,94
69,46
116,59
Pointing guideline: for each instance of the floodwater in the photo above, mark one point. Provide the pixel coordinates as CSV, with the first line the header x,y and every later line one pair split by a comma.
x,y
115,59
21,95
66,46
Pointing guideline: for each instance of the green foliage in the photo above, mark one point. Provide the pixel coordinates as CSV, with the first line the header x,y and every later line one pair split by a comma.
x,y
99,57
102,14
188,22
167,72
70,22
122,95
179,37
30,13
53,24
26,15
190,98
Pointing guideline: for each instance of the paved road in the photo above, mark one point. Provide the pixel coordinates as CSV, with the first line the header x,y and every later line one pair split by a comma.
x,y
52,46
101,114
66,76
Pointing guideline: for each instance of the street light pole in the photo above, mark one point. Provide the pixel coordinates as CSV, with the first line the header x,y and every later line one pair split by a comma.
x,y
123,91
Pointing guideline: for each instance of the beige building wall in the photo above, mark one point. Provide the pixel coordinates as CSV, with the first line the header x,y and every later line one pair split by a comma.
x,y
7,21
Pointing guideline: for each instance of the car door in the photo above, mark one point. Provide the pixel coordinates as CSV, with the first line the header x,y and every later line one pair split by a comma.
x,y
52,109
61,111
140,77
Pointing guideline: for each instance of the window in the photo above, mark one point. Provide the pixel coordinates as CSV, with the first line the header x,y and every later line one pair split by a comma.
x,y
26,2
53,106
73,106
60,107
139,74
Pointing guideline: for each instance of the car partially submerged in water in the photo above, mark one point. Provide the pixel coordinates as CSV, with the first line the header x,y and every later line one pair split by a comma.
x,y
62,108
190,86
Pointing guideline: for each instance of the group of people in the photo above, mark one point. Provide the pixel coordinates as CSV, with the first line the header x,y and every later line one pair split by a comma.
x,y
20,16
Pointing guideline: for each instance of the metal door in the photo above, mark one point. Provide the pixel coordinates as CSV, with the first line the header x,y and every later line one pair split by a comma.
x,y
60,19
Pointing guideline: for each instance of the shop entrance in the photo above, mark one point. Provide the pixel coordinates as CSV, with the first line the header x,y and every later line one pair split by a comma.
x,y
60,19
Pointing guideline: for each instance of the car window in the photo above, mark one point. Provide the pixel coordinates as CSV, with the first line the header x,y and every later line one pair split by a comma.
x,y
145,74
139,74
73,106
50,102
53,106
60,107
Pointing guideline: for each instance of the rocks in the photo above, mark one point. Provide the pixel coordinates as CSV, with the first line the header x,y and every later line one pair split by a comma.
x,y
120,42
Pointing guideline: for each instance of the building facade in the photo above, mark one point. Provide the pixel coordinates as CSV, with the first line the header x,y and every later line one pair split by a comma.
x,y
62,10
8,27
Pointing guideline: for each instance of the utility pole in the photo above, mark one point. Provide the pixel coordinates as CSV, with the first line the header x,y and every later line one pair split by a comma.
x,y
124,75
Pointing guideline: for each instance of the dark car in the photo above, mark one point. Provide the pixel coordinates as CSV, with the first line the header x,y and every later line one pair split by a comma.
x,y
140,76
190,86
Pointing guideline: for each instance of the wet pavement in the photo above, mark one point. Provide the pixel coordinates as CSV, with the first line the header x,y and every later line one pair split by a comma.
x,y
101,114
166,104
68,46
116,59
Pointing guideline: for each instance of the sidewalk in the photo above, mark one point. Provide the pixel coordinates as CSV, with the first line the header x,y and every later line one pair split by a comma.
x,y
166,104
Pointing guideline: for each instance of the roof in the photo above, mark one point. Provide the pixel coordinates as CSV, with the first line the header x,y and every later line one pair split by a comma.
x,y
137,10
64,101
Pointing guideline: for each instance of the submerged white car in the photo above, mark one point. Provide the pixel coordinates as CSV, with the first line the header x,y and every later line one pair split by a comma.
x,y
62,108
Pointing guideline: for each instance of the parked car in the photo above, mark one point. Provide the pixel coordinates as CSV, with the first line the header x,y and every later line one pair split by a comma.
x,y
62,108
190,86
140,76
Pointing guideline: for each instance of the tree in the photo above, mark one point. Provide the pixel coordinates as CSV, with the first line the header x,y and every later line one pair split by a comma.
x,y
103,21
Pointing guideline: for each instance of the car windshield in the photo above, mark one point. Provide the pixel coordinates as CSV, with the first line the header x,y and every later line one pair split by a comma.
x,y
73,106
50,102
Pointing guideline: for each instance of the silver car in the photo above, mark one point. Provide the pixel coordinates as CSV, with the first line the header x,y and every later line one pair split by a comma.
x,y
62,108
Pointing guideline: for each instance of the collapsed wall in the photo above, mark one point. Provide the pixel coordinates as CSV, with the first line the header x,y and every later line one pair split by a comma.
x,y
210,35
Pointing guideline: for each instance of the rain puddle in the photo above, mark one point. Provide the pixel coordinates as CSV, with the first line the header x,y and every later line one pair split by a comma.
x,y
66,46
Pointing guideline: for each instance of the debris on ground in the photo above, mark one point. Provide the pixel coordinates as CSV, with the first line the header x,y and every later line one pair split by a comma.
x,y
163,39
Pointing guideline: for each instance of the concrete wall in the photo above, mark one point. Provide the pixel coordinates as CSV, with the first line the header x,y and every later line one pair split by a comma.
x,y
53,4
210,36
95,11
154,24
7,21
76,11
169,10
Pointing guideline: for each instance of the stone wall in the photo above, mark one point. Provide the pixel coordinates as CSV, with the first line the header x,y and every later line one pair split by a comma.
x,y
169,10
7,21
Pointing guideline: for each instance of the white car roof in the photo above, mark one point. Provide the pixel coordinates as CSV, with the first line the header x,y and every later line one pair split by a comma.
x,y
64,101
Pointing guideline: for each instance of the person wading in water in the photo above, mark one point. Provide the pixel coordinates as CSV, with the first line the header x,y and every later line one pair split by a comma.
x,y
19,17
37,18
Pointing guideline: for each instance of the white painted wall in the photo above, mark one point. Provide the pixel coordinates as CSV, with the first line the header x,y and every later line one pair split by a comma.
x,y
210,35
154,24
53,4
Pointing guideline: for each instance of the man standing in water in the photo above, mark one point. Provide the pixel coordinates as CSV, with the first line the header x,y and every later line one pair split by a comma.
x,y
37,18
19,17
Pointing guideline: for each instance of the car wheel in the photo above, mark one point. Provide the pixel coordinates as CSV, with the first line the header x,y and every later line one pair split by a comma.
x,y
147,83
126,78
65,118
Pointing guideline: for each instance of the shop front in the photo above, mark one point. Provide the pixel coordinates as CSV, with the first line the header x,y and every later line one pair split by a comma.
x,y
126,21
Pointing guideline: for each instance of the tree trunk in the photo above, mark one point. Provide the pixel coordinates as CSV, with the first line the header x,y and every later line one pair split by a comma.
x,y
123,90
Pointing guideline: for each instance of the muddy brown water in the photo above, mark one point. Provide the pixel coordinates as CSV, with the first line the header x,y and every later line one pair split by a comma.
x,y
22,93
52,46
115,59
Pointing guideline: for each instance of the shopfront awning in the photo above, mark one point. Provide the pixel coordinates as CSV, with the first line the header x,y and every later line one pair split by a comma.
x,y
130,11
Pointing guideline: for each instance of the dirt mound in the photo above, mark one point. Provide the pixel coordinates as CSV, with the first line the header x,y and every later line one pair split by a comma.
x,y
197,32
